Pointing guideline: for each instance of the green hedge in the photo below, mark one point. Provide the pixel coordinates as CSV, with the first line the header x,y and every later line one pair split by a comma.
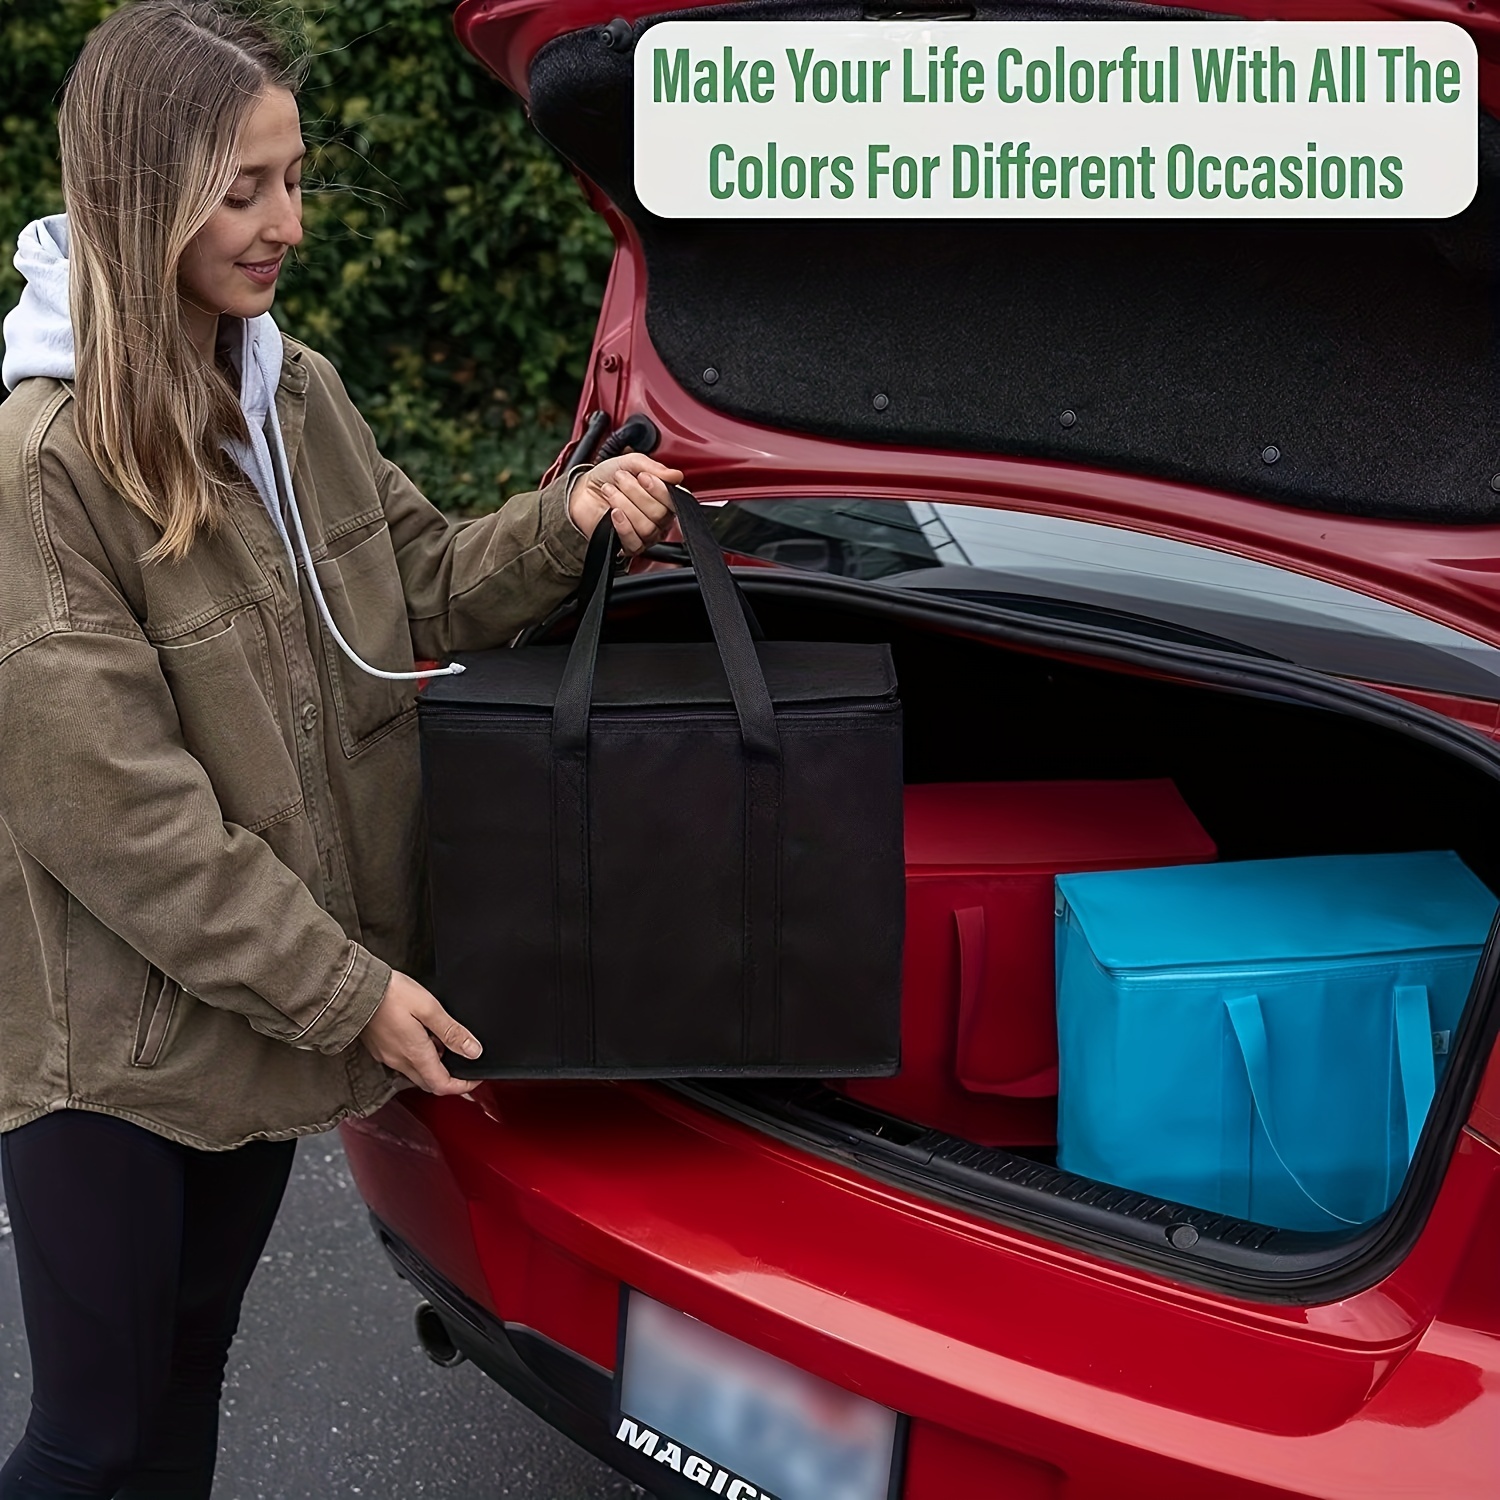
x,y
451,268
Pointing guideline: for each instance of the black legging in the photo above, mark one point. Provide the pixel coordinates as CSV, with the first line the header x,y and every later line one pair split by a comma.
x,y
134,1254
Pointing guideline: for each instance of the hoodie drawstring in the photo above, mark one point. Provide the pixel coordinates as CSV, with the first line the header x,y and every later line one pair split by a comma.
x,y
284,478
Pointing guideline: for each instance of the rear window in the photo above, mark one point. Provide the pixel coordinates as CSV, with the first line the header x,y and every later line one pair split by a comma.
x,y
1082,571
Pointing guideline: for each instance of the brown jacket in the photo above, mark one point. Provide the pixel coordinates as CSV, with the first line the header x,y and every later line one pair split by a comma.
x,y
210,837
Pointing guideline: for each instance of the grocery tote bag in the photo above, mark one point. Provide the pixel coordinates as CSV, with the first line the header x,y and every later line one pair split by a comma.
x,y
979,1012
1261,1039
654,860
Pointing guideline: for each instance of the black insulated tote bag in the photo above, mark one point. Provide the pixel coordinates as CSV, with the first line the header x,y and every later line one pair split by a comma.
x,y
657,860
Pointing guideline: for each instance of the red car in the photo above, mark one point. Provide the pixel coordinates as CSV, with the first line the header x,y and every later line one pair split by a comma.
x,y
1195,500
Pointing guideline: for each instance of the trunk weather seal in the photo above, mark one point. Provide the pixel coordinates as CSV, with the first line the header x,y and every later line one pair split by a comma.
x,y
1327,1267
1255,677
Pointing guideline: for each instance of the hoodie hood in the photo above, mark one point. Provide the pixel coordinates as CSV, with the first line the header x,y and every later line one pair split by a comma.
x,y
39,329
256,351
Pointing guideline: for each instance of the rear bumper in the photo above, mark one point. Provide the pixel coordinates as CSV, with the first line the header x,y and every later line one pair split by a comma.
x,y
1027,1370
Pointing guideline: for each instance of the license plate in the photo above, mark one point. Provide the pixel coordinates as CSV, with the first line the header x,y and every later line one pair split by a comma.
x,y
741,1423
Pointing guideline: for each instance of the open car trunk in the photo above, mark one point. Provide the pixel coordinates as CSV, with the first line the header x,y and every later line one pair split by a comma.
x,y
1161,377
1274,760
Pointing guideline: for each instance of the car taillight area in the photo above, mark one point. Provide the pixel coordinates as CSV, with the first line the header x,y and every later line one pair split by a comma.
x,y
1025,1367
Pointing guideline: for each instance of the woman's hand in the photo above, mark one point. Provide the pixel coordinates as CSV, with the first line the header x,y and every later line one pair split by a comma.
x,y
632,489
401,1035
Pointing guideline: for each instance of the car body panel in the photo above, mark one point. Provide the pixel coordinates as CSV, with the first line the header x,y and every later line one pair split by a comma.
x,y
1484,1118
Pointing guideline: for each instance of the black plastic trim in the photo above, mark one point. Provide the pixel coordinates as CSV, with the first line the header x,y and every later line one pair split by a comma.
x,y
1287,1268
572,1393
1250,676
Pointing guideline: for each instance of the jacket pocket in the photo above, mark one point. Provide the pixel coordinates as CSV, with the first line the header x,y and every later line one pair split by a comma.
x,y
362,586
221,681
158,1006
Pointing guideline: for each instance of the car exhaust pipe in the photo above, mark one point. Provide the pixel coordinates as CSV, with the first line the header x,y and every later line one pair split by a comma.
x,y
432,1334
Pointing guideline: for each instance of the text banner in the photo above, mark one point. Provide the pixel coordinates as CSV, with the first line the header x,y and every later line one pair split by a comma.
x,y
1069,119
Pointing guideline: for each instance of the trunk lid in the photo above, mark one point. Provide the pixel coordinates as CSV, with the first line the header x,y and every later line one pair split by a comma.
x,y
1133,372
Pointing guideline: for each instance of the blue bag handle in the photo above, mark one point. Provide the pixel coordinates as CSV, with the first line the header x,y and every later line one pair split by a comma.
x,y
1414,1055
1413,1058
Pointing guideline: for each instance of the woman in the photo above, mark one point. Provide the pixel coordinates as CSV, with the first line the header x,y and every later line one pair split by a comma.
x,y
212,591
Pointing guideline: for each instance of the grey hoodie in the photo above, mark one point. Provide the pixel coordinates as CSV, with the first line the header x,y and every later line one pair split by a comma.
x,y
39,341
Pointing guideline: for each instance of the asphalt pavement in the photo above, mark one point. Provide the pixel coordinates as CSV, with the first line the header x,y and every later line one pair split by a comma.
x,y
328,1394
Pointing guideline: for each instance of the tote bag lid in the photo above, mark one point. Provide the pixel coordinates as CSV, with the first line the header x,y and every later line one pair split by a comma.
x,y
1278,911
1048,825
685,673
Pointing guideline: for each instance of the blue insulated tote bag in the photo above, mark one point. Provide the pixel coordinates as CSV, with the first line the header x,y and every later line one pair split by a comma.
x,y
1261,1039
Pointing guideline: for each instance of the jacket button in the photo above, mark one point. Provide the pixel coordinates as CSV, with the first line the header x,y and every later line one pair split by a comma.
x,y
309,717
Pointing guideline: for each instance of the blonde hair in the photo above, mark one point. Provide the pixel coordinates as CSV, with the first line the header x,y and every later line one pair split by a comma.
x,y
148,128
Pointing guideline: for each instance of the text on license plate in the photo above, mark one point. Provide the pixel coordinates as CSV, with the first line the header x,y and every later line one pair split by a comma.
x,y
742,1423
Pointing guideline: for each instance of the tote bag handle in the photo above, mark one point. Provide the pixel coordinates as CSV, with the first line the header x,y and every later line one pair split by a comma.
x,y
969,923
1413,1061
735,631
730,618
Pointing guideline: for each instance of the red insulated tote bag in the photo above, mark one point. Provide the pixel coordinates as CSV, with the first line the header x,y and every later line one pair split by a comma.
x,y
655,860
